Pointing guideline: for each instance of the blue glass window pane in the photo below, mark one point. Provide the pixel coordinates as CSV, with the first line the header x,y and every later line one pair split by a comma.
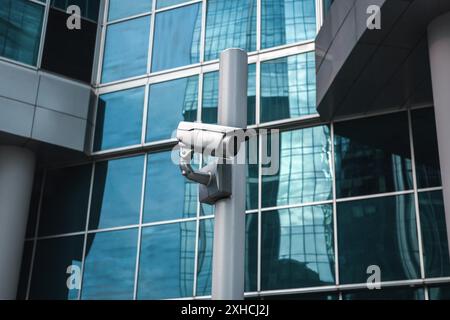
x,y
426,148
110,265
167,261
169,103
378,232
119,9
65,200
304,168
126,49
297,248
20,30
119,119
166,3
168,195
211,96
52,259
370,160
386,294
288,87
177,37
434,234
230,24
287,21
205,250
116,193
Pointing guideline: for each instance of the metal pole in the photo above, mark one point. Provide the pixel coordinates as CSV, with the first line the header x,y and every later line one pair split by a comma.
x,y
229,228
439,53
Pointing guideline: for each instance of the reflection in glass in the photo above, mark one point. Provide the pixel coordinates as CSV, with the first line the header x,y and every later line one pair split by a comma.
x,y
177,37
119,9
167,261
116,193
25,270
304,296
372,155
439,292
288,87
386,294
169,103
297,248
211,96
52,258
287,21
380,232
205,251
304,173
119,119
426,148
110,265
126,49
230,24
434,234
89,8
168,195
20,30
65,200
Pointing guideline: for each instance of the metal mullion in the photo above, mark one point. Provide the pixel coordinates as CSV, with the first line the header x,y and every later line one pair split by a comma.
x,y
335,223
145,115
176,6
258,25
416,201
43,33
200,96
83,257
128,18
374,196
151,38
101,51
139,241
36,230
203,31
259,259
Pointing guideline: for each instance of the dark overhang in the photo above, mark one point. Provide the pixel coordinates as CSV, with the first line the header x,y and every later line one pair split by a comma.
x,y
361,71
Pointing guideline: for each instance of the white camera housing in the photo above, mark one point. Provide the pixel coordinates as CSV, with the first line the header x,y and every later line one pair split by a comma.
x,y
213,139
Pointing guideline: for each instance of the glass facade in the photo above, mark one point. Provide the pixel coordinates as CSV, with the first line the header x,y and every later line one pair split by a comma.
x,y
20,30
345,196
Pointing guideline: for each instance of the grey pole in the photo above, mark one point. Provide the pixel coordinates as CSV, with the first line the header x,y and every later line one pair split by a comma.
x,y
439,51
229,228
16,180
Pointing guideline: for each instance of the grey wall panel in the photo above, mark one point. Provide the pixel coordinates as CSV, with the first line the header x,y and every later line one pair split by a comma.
x,y
16,117
18,83
64,95
59,129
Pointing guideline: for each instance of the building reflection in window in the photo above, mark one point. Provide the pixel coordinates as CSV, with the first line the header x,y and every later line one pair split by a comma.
x,y
167,261
380,232
230,24
373,155
288,87
297,248
304,169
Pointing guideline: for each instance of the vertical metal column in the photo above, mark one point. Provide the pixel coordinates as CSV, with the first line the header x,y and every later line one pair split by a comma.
x,y
439,50
16,180
229,228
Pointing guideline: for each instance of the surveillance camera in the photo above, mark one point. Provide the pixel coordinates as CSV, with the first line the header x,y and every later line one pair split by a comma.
x,y
220,141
